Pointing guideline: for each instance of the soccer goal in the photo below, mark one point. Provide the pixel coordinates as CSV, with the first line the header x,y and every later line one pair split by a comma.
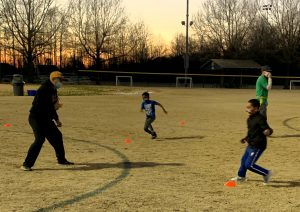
x,y
184,82
122,79
292,83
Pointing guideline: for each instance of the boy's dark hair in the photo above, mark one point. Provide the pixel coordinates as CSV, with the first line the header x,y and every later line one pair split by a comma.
x,y
254,103
146,94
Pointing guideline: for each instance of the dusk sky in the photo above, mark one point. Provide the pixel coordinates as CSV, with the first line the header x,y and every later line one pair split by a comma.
x,y
163,17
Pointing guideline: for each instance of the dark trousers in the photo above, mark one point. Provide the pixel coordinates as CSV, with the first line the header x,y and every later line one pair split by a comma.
x,y
263,106
263,109
148,125
249,160
43,130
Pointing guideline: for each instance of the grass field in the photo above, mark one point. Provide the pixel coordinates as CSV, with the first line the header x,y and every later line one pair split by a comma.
x,y
183,170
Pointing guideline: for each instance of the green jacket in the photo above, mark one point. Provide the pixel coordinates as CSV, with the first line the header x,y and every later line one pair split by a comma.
x,y
261,88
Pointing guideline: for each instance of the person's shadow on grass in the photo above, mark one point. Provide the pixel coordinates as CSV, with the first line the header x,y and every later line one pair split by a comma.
x,y
99,166
180,138
286,136
282,183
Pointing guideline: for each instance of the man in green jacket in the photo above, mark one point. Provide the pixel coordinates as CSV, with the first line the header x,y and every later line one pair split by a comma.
x,y
263,85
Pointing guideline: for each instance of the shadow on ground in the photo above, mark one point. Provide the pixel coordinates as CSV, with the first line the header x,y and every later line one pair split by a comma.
x,y
180,138
282,183
99,166
286,136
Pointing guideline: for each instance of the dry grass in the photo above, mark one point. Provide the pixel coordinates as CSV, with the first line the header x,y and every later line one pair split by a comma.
x,y
184,170
72,90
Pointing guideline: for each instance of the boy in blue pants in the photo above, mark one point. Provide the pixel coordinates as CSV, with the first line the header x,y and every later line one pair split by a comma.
x,y
149,107
258,130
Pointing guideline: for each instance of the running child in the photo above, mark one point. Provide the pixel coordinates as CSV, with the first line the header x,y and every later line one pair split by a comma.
x,y
258,130
149,107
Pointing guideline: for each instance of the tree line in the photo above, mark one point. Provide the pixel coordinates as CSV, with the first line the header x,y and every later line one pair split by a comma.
x,y
98,34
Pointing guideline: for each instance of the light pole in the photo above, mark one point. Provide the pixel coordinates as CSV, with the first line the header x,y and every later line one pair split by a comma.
x,y
187,25
266,7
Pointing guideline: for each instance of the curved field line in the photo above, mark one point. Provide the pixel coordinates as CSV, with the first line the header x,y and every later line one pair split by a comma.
x,y
125,172
286,123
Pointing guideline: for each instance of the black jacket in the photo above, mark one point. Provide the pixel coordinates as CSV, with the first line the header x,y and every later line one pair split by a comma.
x,y
257,124
43,104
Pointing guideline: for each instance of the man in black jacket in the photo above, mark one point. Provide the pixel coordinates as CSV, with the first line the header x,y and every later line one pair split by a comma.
x,y
258,130
44,121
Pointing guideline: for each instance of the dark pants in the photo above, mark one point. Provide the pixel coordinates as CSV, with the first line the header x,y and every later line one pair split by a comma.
x,y
263,109
263,106
148,125
249,160
43,130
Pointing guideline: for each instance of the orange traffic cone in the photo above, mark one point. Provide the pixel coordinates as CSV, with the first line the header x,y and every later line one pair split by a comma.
x,y
127,141
230,183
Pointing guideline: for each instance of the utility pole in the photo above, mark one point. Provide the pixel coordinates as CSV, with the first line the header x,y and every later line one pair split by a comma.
x,y
187,61
267,8
186,58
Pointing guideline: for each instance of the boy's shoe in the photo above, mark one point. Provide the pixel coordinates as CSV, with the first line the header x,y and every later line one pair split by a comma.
x,y
239,179
65,162
154,135
267,178
26,168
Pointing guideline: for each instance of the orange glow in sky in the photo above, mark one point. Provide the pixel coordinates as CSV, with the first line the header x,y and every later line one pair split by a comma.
x,y
163,17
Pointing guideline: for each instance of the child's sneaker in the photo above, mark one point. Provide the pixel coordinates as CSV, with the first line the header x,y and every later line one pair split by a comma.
x,y
239,179
154,135
267,178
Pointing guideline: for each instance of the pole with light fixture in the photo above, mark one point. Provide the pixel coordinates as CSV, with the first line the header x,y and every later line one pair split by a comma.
x,y
267,8
187,24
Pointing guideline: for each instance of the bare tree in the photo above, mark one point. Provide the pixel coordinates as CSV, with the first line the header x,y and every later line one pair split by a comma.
x,y
178,45
54,52
226,23
26,21
132,43
285,18
139,40
158,49
95,23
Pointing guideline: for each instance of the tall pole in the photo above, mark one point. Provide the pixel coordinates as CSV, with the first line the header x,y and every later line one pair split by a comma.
x,y
186,63
267,8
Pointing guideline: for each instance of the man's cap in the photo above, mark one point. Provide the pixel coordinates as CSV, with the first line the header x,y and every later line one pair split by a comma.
x,y
56,74
266,68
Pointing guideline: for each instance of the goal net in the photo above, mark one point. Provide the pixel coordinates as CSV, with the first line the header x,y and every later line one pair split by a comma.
x,y
124,81
184,82
293,84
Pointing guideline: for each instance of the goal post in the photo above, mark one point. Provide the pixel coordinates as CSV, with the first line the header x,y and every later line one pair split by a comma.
x,y
124,77
184,82
292,82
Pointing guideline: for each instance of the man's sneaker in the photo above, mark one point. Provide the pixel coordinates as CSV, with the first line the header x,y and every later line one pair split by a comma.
x,y
65,162
267,178
239,179
26,168
154,135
